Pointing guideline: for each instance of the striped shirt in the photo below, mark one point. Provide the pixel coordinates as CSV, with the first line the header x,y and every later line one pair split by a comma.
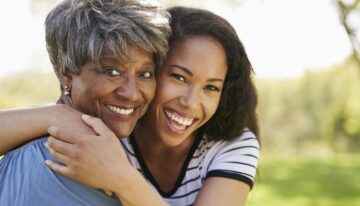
x,y
235,159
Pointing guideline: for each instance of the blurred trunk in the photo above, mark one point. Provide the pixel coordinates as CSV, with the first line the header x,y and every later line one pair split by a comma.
x,y
345,9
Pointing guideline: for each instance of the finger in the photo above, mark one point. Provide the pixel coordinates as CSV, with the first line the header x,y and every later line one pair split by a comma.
x,y
63,134
59,157
108,193
60,146
97,125
62,169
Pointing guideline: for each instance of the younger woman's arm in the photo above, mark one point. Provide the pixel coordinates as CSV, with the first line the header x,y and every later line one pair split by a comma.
x,y
19,126
231,172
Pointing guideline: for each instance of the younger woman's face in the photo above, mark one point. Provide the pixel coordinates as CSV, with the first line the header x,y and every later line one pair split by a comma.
x,y
188,91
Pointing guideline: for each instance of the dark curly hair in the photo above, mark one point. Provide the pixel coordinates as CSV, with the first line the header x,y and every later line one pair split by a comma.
x,y
237,107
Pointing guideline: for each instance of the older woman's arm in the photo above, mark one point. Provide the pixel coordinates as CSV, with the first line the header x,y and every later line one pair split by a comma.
x,y
19,126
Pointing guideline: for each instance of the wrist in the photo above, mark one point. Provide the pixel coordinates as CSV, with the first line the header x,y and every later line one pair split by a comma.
x,y
55,112
127,177
136,186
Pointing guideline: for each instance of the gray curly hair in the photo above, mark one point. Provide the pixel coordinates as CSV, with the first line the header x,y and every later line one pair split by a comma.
x,y
78,30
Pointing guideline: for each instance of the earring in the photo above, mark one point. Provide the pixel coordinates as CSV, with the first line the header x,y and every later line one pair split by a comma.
x,y
66,90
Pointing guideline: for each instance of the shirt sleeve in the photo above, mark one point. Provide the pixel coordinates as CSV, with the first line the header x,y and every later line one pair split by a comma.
x,y
236,159
26,180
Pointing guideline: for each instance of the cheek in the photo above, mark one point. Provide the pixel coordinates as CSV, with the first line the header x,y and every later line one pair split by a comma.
x,y
166,91
89,89
211,106
79,93
86,94
148,91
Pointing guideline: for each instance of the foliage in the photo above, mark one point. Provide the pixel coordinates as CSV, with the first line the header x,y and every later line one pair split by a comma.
x,y
318,109
28,88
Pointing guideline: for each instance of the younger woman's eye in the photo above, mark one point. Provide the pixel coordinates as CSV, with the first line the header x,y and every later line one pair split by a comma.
x,y
178,77
111,71
212,88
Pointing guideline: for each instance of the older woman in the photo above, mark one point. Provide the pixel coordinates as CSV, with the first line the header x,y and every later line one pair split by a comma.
x,y
196,144
104,53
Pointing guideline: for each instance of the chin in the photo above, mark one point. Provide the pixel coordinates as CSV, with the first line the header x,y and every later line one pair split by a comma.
x,y
174,141
122,132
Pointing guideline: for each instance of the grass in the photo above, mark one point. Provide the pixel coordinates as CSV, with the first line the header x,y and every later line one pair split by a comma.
x,y
307,182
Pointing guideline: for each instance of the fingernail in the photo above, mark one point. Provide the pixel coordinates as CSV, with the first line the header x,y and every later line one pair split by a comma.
x,y
85,116
46,145
47,162
51,151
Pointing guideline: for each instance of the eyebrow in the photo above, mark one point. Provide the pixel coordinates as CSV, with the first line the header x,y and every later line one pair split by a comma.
x,y
186,70
215,80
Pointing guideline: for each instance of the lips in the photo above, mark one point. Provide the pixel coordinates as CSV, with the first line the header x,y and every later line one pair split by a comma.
x,y
177,122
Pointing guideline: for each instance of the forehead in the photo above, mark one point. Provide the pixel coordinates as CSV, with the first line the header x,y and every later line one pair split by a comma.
x,y
201,54
134,55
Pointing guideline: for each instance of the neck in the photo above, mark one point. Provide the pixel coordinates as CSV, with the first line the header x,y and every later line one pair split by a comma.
x,y
153,148
164,162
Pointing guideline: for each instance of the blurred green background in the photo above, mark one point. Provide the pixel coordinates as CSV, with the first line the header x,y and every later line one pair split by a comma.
x,y
310,123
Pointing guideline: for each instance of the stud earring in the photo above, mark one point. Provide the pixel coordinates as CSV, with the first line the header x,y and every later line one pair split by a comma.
x,y
66,90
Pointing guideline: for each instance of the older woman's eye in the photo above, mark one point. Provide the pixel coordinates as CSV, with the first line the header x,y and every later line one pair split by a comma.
x,y
146,75
111,72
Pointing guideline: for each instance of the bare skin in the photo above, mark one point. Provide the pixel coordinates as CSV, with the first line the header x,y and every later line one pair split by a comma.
x,y
28,120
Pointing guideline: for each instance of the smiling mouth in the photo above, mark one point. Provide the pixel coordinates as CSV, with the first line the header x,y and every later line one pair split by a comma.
x,y
121,111
178,122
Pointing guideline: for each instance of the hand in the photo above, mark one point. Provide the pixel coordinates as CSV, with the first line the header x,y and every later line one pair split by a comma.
x,y
99,161
95,160
68,118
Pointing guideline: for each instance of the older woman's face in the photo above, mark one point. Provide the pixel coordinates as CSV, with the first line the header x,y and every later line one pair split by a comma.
x,y
119,93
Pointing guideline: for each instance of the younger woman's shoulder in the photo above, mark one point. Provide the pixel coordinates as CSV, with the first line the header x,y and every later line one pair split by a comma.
x,y
246,138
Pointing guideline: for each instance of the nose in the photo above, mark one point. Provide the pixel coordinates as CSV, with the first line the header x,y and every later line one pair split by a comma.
x,y
129,89
190,98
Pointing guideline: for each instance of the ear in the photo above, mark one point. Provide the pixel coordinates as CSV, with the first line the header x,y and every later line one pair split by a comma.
x,y
65,80
66,88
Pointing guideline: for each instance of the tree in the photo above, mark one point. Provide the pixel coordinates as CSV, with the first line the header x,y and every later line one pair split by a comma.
x,y
348,10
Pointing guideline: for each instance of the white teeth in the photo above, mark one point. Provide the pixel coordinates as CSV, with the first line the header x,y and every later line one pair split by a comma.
x,y
179,127
120,110
178,119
